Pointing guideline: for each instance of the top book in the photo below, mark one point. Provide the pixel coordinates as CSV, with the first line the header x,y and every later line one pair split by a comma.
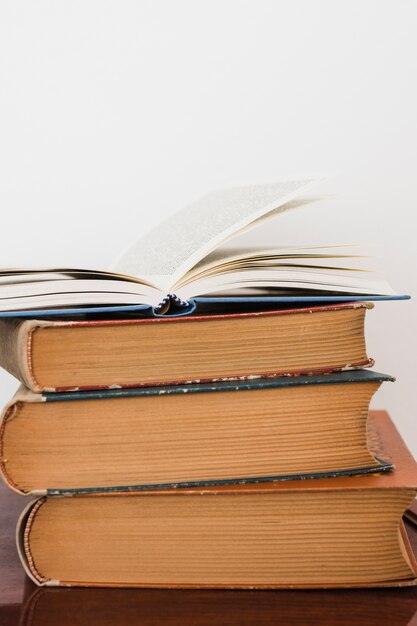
x,y
184,258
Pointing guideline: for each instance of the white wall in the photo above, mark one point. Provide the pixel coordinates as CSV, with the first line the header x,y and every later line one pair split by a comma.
x,y
114,114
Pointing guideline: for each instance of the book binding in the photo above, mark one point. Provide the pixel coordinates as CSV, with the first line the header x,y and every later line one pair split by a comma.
x,y
175,307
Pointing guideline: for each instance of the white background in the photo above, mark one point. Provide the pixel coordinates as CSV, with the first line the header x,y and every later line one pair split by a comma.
x,y
115,114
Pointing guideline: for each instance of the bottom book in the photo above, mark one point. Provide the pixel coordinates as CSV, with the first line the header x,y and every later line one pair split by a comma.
x,y
330,532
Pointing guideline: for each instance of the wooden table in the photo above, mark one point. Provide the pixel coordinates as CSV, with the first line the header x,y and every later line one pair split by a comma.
x,y
21,602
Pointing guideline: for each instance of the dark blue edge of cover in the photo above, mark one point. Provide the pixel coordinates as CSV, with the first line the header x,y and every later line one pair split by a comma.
x,y
148,311
384,466
351,376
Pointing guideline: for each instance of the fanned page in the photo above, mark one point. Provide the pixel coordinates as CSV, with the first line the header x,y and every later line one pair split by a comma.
x,y
185,254
25,290
167,252
261,272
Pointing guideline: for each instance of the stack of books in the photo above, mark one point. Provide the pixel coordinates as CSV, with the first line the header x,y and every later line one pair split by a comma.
x,y
229,449
147,482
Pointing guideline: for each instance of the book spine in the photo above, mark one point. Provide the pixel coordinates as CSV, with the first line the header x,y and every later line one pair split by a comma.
x,y
16,350
9,412
23,528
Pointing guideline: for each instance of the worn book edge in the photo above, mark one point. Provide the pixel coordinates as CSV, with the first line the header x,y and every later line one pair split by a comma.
x,y
25,395
23,547
16,343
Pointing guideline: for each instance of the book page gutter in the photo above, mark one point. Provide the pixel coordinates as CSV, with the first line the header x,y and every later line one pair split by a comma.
x,y
167,252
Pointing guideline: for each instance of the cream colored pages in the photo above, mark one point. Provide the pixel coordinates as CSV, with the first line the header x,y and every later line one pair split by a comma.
x,y
251,270
167,252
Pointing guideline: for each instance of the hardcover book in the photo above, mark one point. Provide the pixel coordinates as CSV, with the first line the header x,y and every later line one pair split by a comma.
x,y
334,532
186,257
64,355
199,434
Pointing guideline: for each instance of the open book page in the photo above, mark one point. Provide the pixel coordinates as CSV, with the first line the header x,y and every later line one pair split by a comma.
x,y
288,206
333,268
275,280
67,290
226,258
168,251
26,275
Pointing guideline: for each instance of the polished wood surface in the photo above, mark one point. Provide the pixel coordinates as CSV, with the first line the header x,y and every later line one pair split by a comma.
x,y
21,602
12,577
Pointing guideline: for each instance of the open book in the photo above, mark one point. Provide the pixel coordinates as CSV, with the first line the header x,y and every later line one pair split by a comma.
x,y
185,257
